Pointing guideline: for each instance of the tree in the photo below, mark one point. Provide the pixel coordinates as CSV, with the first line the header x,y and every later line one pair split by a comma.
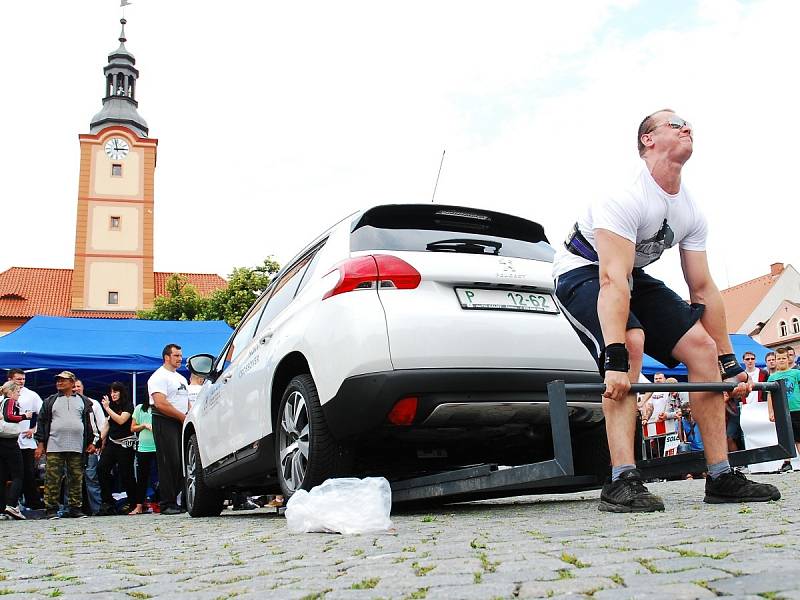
x,y
184,303
244,286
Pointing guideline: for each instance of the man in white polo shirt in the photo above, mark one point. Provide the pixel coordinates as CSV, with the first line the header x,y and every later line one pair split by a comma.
x,y
169,397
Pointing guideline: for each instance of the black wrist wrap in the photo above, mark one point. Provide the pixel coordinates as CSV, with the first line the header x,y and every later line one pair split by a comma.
x,y
729,366
615,358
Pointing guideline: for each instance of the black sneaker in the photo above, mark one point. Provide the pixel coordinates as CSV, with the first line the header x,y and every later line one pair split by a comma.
x,y
52,514
628,494
73,513
735,487
171,510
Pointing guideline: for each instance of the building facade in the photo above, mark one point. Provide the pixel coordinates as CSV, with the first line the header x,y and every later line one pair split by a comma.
x,y
113,274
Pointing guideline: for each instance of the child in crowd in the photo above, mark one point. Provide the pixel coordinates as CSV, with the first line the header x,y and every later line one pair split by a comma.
x,y
791,377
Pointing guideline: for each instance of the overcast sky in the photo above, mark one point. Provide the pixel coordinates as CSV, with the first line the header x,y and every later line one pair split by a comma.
x,y
277,119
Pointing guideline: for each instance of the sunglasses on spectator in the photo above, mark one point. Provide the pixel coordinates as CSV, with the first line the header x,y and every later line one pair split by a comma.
x,y
674,123
749,357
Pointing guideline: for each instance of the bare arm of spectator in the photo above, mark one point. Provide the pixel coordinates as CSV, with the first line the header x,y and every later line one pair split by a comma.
x,y
770,409
647,411
163,406
119,418
136,427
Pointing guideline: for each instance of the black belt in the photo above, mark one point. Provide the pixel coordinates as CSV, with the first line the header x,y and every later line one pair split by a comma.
x,y
577,244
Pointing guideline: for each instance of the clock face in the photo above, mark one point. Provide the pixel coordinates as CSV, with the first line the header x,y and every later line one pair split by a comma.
x,y
117,148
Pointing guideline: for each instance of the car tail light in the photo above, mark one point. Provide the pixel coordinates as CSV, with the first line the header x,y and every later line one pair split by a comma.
x,y
404,411
397,273
367,272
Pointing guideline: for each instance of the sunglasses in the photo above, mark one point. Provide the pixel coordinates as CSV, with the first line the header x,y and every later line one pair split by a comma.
x,y
674,123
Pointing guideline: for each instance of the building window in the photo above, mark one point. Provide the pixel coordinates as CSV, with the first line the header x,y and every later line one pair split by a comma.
x,y
783,328
113,297
116,170
795,325
114,223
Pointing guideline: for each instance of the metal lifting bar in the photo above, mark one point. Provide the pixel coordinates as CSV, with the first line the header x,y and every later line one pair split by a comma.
x,y
558,474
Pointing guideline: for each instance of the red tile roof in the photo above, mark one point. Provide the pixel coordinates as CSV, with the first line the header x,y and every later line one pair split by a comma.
x,y
25,292
741,300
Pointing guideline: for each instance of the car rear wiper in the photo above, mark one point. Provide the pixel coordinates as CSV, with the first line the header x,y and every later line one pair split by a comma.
x,y
468,246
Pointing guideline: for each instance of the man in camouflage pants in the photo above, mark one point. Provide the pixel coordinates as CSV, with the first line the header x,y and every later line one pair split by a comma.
x,y
66,434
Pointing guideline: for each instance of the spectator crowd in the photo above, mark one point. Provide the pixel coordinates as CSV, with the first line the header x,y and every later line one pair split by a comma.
x,y
669,428
91,448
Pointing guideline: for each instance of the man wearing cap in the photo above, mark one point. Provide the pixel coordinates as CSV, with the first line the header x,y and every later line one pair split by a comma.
x,y
66,434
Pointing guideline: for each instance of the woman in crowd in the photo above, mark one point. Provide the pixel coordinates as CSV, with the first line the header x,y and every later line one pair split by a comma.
x,y
10,453
118,448
142,423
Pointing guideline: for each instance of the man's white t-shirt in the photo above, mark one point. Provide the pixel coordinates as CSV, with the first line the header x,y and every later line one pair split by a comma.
x,y
28,401
753,376
638,214
660,402
194,389
173,385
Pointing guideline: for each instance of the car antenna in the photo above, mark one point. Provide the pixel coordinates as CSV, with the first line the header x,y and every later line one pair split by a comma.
x,y
441,162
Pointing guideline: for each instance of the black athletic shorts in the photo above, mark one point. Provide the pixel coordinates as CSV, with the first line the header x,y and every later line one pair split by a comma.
x,y
795,414
655,308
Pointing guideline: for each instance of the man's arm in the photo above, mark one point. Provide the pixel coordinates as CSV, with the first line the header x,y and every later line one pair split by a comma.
x,y
613,303
703,290
163,406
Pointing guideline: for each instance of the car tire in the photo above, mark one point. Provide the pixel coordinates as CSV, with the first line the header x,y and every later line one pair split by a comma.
x,y
201,500
306,453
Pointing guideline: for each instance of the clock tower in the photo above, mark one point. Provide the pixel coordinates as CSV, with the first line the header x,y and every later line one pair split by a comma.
x,y
114,233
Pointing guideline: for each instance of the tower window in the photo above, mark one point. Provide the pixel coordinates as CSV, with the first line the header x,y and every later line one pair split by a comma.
x,y
116,170
795,325
114,223
113,297
784,330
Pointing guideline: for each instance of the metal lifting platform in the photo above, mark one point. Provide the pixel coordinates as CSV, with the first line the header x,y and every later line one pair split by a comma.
x,y
557,475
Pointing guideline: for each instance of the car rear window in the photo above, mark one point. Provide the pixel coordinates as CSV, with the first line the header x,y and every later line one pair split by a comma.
x,y
437,228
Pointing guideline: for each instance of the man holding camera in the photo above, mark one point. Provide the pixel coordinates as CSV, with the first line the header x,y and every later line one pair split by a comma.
x,y
619,312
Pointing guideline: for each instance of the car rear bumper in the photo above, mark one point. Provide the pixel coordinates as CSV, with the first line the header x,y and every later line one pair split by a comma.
x,y
452,397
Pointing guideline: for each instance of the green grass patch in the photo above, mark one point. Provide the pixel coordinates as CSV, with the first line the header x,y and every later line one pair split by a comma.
x,y
422,570
565,574
409,548
617,578
366,584
141,595
573,560
477,544
648,564
428,519
418,594
316,595
477,577
487,565
358,552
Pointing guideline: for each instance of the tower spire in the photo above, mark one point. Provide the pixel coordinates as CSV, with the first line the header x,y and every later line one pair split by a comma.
x,y
119,101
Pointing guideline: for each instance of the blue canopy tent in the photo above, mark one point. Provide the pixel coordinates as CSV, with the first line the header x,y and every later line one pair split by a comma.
x,y
741,344
100,351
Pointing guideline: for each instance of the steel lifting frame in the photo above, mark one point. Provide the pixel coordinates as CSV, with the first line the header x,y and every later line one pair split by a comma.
x,y
558,473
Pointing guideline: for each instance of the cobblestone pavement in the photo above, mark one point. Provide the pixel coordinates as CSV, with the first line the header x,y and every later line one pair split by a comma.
x,y
528,547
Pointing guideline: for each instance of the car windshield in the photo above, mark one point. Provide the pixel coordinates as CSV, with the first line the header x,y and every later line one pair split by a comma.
x,y
437,228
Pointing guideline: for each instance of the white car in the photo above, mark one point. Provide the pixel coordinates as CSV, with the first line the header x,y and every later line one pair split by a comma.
x,y
407,339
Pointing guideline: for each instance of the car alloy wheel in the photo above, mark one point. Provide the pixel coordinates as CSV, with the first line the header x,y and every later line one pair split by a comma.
x,y
294,439
191,474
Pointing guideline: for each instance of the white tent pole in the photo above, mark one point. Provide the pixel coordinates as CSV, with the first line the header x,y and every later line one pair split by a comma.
x,y
134,388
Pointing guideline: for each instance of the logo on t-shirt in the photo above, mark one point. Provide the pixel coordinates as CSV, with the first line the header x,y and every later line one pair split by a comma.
x,y
652,248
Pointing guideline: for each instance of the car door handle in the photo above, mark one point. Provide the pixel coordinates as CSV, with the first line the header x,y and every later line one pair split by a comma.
x,y
265,338
227,378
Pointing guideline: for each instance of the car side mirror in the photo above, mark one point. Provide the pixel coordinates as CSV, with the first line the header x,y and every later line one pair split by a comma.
x,y
201,364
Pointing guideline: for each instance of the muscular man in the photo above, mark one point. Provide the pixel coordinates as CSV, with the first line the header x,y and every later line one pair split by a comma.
x,y
169,398
619,311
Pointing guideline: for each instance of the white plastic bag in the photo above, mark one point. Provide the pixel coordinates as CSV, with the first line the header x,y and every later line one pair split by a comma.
x,y
346,505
